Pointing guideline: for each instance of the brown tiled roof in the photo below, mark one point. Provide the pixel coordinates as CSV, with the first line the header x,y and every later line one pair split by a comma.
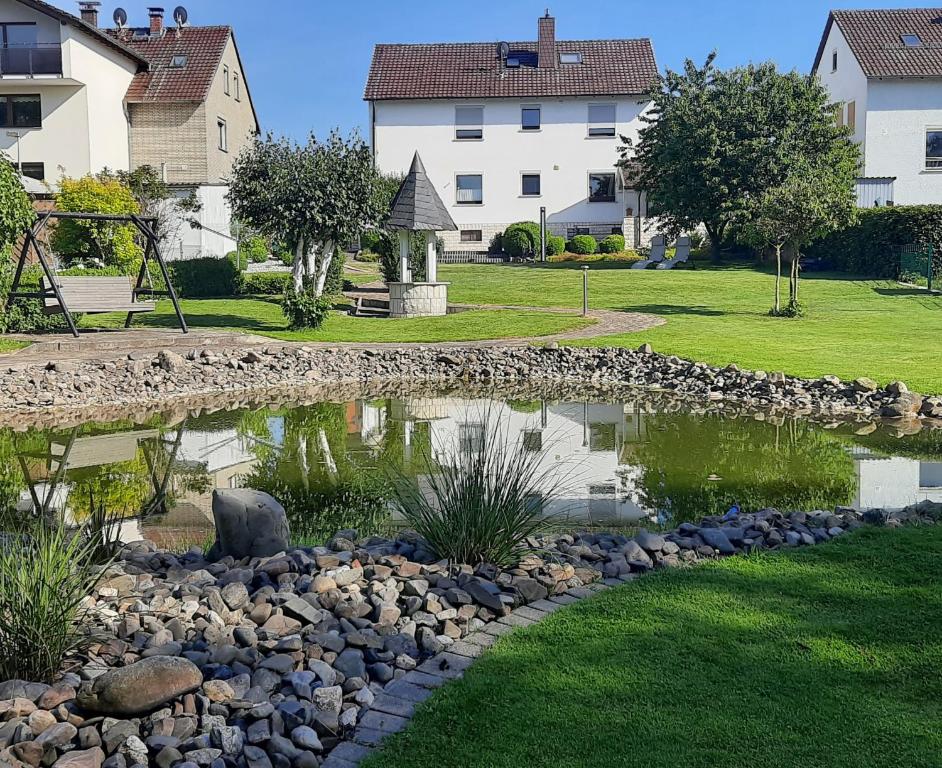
x,y
203,48
875,37
474,71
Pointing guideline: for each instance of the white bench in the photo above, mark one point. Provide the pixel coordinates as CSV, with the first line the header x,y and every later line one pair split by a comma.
x,y
96,295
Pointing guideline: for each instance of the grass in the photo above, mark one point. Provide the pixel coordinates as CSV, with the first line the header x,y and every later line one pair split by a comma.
x,y
825,657
264,317
9,345
719,315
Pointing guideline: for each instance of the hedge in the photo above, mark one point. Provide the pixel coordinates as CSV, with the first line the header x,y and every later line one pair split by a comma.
x,y
866,248
555,245
612,244
205,278
264,283
521,239
583,245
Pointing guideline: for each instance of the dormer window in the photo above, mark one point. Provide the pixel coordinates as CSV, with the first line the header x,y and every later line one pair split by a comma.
x,y
911,41
178,62
570,57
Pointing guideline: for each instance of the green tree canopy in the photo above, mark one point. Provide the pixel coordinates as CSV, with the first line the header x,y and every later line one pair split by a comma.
x,y
16,211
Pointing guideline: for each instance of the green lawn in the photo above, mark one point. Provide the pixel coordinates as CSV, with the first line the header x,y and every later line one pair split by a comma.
x,y
261,316
828,657
9,345
719,315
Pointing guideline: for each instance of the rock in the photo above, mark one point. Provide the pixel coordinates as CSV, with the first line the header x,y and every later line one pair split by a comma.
x,y
57,735
141,687
88,758
482,596
329,699
717,539
651,542
57,694
530,590
248,524
865,385
305,737
218,690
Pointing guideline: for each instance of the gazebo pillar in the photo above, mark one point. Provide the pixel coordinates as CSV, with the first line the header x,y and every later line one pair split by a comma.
x,y
405,252
431,257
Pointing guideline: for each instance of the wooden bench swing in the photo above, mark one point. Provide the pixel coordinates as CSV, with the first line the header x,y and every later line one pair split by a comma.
x,y
93,295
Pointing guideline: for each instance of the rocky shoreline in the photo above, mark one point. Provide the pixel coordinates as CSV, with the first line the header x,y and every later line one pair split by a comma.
x,y
63,392
313,656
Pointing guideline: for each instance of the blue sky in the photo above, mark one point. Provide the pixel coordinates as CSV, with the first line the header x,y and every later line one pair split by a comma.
x,y
306,60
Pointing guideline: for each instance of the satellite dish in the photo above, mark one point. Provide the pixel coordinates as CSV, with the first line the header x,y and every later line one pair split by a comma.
x,y
180,15
503,50
120,17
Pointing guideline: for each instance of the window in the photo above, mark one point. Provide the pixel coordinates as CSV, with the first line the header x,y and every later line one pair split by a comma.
x,y
470,438
530,184
225,79
934,149
223,135
852,115
532,440
21,111
178,62
34,171
570,58
469,123
834,61
472,236
911,41
469,189
601,187
238,88
530,119
601,120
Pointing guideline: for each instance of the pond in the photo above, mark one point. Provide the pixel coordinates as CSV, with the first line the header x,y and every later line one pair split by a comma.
x,y
622,464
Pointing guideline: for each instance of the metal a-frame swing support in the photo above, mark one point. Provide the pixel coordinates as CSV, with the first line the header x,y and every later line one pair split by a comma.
x,y
53,290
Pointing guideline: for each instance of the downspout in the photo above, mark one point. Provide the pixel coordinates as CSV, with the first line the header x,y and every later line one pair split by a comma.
x,y
373,132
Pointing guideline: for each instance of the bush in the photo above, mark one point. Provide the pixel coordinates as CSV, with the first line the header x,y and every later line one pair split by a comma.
x,y
481,507
625,257
583,245
612,244
303,309
521,239
239,260
205,278
264,283
497,243
255,249
334,282
555,245
388,250
16,211
44,579
866,248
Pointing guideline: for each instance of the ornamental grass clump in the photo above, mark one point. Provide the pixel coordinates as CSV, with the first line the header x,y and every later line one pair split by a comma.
x,y
45,577
482,501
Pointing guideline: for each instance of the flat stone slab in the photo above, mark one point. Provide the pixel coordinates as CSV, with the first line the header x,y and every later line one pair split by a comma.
x,y
446,665
383,721
350,752
421,678
516,620
408,691
369,736
565,599
483,639
393,705
547,606
528,612
462,648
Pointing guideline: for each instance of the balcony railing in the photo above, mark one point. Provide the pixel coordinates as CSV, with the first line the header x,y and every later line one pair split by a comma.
x,y
31,60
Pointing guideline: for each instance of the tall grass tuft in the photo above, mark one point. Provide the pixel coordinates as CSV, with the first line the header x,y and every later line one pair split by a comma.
x,y
44,578
479,502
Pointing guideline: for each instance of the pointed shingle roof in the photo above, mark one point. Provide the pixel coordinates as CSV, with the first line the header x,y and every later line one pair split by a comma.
x,y
417,206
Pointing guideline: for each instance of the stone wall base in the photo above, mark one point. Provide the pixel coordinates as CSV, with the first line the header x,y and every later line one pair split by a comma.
x,y
418,299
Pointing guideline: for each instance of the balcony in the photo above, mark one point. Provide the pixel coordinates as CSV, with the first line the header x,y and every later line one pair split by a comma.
x,y
33,60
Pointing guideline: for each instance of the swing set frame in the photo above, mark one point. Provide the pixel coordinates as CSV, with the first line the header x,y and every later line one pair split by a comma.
x,y
52,289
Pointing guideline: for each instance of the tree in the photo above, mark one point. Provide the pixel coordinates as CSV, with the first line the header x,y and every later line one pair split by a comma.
x,y
312,197
16,211
156,200
812,201
715,141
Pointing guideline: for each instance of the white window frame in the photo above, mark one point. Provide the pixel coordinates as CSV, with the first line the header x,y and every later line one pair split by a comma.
x,y
539,109
590,126
469,126
931,168
834,60
478,239
588,182
531,173
237,81
222,128
225,79
469,203
575,57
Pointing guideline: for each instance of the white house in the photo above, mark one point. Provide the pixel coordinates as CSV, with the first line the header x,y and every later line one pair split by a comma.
x,y
884,70
76,98
507,128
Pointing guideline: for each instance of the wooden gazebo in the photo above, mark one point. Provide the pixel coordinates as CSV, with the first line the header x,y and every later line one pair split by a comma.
x,y
418,208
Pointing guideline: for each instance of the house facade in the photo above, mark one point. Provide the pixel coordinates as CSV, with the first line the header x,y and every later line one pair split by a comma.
x,y
77,98
505,129
883,69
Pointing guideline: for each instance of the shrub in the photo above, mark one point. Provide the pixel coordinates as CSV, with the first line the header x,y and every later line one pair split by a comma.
x,y
16,211
612,244
44,579
368,256
111,244
334,282
369,240
521,239
303,309
555,245
481,506
205,278
264,283
625,257
388,250
583,245
256,249
866,248
239,260
497,243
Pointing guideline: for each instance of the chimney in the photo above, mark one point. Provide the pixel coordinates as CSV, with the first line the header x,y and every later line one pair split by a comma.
x,y
546,47
89,11
156,20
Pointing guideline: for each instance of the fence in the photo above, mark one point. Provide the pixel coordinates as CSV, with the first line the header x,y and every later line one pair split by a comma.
x,y
917,265
472,257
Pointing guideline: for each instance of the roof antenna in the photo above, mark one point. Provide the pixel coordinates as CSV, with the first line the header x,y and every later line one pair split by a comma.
x,y
547,13
180,16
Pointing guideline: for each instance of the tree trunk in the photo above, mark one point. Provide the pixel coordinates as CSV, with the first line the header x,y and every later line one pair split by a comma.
x,y
778,279
326,258
297,267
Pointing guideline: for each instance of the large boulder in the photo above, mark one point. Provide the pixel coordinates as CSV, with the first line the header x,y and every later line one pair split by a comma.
x,y
248,524
141,687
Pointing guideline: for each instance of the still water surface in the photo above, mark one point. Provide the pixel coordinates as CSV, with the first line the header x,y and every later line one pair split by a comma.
x,y
328,463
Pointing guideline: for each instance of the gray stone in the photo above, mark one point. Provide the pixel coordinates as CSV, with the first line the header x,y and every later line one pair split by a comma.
x,y
141,687
248,524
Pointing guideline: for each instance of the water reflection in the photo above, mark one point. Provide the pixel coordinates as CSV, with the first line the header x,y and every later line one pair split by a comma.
x,y
328,464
